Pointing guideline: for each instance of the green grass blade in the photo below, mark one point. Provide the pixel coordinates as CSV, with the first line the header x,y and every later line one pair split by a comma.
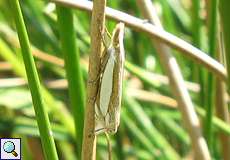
x,y
150,130
224,12
55,107
210,86
138,133
34,85
73,70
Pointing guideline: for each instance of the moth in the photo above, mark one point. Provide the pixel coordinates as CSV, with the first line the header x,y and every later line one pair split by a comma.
x,y
108,101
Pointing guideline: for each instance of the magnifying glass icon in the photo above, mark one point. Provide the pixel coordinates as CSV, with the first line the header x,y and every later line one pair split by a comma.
x,y
9,147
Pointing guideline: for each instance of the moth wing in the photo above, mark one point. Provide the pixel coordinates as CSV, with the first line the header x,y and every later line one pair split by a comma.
x,y
99,122
106,86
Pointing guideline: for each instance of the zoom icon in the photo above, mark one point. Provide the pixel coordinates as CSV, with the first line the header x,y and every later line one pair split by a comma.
x,y
10,148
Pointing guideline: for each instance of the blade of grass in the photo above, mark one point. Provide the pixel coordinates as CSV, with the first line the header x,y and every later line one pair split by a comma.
x,y
175,128
150,130
178,88
180,12
67,150
25,149
56,107
29,127
137,133
209,100
73,70
196,35
218,123
167,17
43,35
34,85
197,72
155,79
224,12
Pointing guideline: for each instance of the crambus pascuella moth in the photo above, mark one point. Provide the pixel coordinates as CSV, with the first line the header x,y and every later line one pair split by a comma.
x,y
108,103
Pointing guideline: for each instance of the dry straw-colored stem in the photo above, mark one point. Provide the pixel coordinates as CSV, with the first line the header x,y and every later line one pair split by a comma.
x,y
221,104
223,113
157,33
5,66
152,97
177,84
97,27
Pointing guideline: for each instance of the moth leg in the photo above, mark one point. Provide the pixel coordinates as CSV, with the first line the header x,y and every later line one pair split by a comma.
x,y
107,32
103,39
109,146
94,81
104,60
106,38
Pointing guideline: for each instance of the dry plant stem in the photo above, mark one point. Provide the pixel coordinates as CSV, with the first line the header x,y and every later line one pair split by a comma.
x,y
218,123
221,105
154,79
9,35
152,97
222,113
177,84
5,66
194,87
18,82
12,82
157,33
225,25
97,27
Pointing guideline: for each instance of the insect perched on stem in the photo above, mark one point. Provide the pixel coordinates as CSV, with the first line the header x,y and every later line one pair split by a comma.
x,y
108,103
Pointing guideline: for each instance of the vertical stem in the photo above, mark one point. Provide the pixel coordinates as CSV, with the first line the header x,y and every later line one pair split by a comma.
x,y
177,84
223,113
41,115
197,72
210,86
97,28
73,71
224,12
196,23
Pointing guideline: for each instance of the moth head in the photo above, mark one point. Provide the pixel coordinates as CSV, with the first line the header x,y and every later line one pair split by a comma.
x,y
118,34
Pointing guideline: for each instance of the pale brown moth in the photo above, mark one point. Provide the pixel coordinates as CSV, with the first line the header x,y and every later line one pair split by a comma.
x,y
108,103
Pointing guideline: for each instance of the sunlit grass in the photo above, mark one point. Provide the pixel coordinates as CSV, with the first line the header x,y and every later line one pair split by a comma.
x,y
151,128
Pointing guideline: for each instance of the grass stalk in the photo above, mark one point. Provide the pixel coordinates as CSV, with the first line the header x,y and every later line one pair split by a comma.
x,y
97,28
156,33
219,124
73,70
209,100
223,113
222,110
197,72
55,107
196,35
34,85
178,88
224,12
149,129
